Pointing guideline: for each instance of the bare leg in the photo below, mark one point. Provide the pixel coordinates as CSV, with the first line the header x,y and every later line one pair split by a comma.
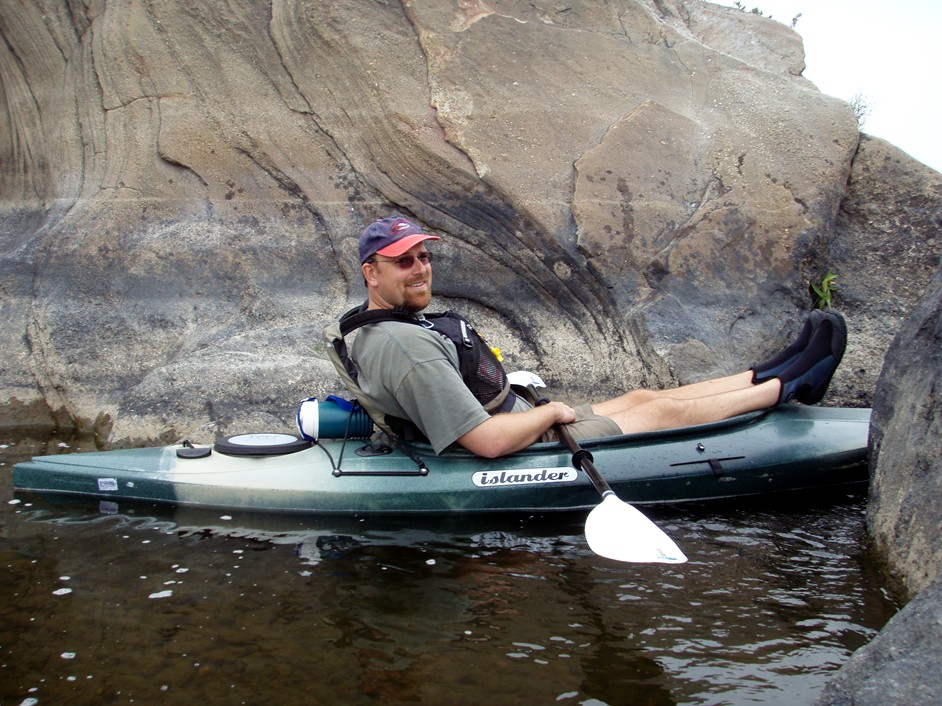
x,y
706,388
646,410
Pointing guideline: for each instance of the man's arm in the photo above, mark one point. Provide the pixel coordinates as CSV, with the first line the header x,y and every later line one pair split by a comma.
x,y
504,434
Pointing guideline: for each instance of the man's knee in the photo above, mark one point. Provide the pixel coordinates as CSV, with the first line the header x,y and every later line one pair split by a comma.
x,y
652,413
625,403
633,398
673,407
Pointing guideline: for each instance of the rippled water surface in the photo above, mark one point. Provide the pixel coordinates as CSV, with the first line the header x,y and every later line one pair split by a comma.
x,y
147,605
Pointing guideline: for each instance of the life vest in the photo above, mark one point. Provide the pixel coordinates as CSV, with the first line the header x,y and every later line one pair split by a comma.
x,y
478,364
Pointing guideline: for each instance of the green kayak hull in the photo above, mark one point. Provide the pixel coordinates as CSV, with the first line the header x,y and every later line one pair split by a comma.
x,y
788,448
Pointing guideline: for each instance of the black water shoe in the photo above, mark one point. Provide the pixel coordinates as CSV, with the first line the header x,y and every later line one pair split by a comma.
x,y
776,366
807,379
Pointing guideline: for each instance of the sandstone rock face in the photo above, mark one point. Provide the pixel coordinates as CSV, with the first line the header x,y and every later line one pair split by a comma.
x,y
646,182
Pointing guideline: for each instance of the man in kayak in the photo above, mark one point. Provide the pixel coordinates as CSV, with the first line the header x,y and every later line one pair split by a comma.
x,y
420,373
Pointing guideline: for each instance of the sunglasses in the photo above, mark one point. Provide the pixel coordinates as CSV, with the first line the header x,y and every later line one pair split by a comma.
x,y
406,261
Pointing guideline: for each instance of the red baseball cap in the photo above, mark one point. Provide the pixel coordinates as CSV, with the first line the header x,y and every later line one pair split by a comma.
x,y
390,237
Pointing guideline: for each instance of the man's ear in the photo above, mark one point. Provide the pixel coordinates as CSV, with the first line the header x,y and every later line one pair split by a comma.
x,y
369,273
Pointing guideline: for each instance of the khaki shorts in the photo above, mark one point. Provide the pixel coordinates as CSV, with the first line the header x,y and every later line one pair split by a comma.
x,y
588,425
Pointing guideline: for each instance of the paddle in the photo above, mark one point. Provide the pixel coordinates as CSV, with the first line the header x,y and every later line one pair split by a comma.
x,y
614,529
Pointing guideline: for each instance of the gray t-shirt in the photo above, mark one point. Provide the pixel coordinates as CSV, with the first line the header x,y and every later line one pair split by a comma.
x,y
412,373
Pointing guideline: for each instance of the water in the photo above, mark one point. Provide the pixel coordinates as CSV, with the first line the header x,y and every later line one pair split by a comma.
x,y
139,604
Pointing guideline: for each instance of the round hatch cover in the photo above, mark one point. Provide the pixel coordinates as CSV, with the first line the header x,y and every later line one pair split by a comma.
x,y
260,444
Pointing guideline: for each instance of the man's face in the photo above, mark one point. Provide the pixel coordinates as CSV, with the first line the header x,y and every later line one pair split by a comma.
x,y
401,281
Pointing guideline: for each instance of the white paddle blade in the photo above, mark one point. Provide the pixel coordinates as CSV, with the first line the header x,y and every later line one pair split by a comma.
x,y
616,530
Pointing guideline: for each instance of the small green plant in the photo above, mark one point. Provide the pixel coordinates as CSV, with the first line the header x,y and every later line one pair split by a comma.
x,y
823,292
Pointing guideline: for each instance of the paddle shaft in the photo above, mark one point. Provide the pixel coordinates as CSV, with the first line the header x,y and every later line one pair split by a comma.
x,y
583,459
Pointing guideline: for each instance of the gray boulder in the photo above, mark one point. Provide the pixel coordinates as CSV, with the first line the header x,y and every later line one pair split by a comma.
x,y
905,517
903,664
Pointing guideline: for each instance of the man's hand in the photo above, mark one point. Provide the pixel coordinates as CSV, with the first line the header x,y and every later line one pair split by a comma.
x,y
564,413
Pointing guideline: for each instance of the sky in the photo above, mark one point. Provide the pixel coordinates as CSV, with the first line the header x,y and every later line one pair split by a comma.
x,y
888,51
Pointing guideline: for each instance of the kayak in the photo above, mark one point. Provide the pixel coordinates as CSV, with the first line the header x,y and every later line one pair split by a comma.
x,y
790,447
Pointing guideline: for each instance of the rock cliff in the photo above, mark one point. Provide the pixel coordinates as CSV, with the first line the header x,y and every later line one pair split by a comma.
x,y
647,182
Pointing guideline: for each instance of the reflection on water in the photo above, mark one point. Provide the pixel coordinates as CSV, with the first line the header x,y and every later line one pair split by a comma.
x,y
122,604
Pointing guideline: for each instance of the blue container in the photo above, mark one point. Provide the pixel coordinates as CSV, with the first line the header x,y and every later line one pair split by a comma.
x,y
333,418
